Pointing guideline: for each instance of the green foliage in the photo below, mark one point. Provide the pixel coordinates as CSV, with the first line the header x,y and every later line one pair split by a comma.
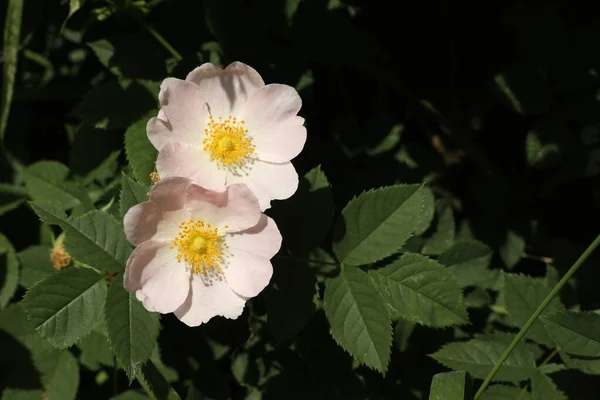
x,y
523,295
577,335
442,196
95,238
65,306
155,383
442,237
9,271
358,318
10,46
132,330
46,180
542,388
377,223
141,154
478,356
421,290
469,261
35,265
451,386
132,193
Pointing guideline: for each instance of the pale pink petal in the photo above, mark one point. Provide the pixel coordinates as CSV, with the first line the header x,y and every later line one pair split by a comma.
x,y
271,105
160,133
186,110
236,206
269,181
160,282
190,162
280,142
141,222
248,270
170,193
207,300
226,90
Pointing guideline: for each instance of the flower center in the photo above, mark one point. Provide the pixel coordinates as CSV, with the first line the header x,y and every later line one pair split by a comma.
x,y
201,247
228,142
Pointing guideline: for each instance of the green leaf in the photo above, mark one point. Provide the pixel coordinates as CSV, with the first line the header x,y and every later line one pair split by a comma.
x,y
132,193
132,330
21,394
140,152
64,381
512,249
469,261
427,213
35,264
478,356
95,238
378,222
538,153
358,318
451,386
10,46
421,290
115,104
21,367
74,5
578,336
301,230
9,271
503,392
46,181
542,388
522,296
443,236
130,56
65,306
95,351
130,395
104,169
155,384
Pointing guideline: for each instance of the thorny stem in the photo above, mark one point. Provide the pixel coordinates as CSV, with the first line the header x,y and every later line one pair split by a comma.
x,y
536,315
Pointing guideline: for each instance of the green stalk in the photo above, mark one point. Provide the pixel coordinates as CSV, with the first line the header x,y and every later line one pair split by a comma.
x,y
536,315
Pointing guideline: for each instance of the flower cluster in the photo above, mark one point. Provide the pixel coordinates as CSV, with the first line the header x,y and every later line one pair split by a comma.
x,y
224,141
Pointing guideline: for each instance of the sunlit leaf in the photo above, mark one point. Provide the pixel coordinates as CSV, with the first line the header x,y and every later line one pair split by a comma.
x,y
478,356
132,330
378,222
421,290
65,306
358,318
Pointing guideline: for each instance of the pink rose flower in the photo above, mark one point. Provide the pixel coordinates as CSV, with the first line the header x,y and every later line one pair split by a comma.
x,y
199,253
221,127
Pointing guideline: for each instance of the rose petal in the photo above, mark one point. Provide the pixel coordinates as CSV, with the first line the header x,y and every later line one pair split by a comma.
x,y
186,111
249,270
271,105
141,222
227,90
170,193
207,300
236,206
191,162
153,272
269,181
281,142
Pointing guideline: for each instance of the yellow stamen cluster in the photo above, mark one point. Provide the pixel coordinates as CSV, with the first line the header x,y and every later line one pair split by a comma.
x,y
154,177
59,256
201,247
228,142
